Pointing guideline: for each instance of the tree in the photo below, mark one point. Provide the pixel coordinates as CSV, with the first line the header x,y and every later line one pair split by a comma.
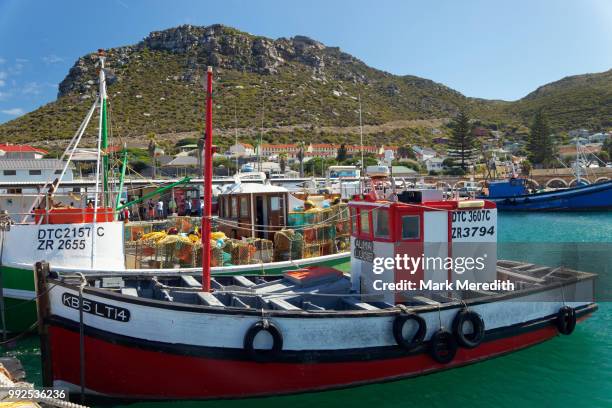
x,y
526,167
342,153
446,163
607,147
540,141
223,166
405,152
282,161
317,165
300,157
462,141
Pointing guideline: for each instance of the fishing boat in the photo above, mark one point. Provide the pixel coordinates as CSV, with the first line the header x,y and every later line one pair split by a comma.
x,y
513,195
91,238
200,337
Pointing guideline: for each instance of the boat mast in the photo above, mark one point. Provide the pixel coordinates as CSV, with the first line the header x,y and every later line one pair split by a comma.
x,y
361,147
207,160
236,133
577,168
121,180
104,129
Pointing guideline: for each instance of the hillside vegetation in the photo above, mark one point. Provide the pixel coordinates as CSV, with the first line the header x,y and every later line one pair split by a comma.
x,y
157,86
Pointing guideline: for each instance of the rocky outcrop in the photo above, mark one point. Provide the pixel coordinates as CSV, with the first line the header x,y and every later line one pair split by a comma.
x,y
223,47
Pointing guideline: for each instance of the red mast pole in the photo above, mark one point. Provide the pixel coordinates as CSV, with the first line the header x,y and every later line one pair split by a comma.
x,y
207,160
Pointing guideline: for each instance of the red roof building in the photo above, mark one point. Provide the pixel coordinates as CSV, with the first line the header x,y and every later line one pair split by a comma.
x,y
11,151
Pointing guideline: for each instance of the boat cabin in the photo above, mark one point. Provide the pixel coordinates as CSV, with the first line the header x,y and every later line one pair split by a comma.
x,y
507,188
252,210
420,238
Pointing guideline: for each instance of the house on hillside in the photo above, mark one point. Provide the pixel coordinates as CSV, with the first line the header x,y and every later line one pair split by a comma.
x,y
440,140
434,164
242,150
423,153
599,137
579,133
322,150
480,132
11,151
268,150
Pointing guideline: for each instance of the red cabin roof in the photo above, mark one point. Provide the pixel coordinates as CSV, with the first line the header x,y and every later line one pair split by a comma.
x,y
21,149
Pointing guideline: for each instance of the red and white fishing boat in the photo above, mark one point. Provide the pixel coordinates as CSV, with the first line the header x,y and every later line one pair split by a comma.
x,y
188,337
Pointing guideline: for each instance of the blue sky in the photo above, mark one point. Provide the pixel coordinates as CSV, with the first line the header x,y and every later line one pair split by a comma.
x,y
488,49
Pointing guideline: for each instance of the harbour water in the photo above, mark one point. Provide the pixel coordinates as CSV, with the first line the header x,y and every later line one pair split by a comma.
x,y
568,371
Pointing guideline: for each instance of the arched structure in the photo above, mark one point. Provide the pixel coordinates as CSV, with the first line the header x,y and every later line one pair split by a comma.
x,y
574,182
556,183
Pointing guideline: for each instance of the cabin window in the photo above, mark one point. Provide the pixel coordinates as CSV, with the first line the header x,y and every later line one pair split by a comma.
x,y
411,227
34,172
274,203
364,221
381,223
10,172
354,220
235,207
244,207
58,172
226,213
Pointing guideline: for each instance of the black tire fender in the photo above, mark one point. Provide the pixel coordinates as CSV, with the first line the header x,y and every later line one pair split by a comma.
x,y
443,346
263,325
566,320
398,327
471,340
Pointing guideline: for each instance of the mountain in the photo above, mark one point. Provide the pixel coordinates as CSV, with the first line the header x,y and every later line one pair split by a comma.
x,y
570,103
295,87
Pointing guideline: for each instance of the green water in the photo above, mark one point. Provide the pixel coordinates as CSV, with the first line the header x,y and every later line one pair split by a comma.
x,y
568,371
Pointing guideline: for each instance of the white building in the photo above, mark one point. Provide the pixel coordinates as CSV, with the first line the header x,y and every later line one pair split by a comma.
x,y
598,137
17,199
242,150
33,170
434,164
424,153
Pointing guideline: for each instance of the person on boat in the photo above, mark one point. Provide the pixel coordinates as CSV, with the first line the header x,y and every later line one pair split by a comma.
x,y
172,207
160,209
151,207
188,207
141,211
124,214
90,204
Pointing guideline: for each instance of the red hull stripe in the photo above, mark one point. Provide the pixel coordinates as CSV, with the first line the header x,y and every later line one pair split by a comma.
x,y
120,371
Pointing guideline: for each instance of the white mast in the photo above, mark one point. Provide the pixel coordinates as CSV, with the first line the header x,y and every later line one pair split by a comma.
x,y
236,133
102,97
577,162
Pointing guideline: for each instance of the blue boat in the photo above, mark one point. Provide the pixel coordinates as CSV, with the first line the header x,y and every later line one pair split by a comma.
x,y
513,195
